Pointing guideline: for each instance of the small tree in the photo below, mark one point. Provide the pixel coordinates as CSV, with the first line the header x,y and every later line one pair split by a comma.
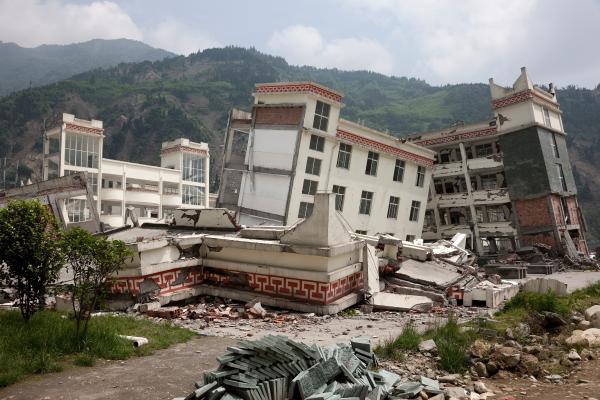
x,y
30,252
92,260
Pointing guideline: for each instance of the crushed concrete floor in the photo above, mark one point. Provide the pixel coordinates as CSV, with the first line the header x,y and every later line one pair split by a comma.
x,y
574,279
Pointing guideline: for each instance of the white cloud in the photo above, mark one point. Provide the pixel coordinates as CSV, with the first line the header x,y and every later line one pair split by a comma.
x,y
304,45
179,38
34,22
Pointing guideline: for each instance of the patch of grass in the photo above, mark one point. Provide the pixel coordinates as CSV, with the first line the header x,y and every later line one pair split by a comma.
x,y
348,312
394,349
539,302
390,351
452,345
46,343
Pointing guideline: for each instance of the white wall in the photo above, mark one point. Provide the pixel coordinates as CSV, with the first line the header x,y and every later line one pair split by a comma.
x,y
273,148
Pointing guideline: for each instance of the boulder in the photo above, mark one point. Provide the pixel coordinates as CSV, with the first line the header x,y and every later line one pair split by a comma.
x,y
506,357
573,355
427,346
585,324
452,378
591,311
588,338
480,349
479,387
480,370
595,320
530,365
533,349
491,368
553,320
518,332
455,392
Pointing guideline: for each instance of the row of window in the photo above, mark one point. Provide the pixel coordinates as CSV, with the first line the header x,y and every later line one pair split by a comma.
x,y
366,202
81,150
317,143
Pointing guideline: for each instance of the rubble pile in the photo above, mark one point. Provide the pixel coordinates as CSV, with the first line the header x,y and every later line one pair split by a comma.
x,y
276,367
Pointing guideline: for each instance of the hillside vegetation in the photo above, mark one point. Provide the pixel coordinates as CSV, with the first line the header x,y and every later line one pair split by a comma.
x,y
143,104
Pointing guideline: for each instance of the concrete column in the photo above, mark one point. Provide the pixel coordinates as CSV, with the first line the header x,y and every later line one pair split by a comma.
x,y
206,181
477,243
160,197
124,189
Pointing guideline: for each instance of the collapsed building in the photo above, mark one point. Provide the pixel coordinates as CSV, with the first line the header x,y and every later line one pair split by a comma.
x,y
506,182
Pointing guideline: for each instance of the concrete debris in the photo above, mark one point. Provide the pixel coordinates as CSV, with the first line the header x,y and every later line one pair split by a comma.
x,y
137,341
401,302
276,367
492,295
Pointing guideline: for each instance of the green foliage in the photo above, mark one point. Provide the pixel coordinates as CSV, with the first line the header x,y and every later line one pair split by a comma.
x,y
47,342
92,260
452,345
394,349
539,302
29,238
348,312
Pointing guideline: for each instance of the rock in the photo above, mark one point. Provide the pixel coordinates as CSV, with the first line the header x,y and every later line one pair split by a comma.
x,y
530,365
492,368
455,392
533,349
595,320
481,370
513,343
452,378
577,318
588,338
423,395
553,320
564,361
573,355
553,378
480,349
507,357
145,307
586,354
518,332
479,387
427,346
583,325
591,311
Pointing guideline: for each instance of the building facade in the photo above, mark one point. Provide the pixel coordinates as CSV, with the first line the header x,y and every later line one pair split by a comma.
x,y
506,182
294,144
75,145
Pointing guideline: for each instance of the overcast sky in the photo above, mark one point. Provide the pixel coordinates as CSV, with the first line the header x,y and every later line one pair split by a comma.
x,y
441,41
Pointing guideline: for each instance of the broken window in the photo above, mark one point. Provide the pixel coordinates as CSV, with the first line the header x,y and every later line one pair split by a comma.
x,y
484,150
561,177
77,210
480,214
317,143
313,166
192,195
344,154
420,176
457,217
366,198
554,145
495,214
81,150
439,186
393,207
414,211
399,171
444,156
309,187
372,160
305,210
193,168
449,187
321,116
340,193
489,182
429,218
565,210
504,245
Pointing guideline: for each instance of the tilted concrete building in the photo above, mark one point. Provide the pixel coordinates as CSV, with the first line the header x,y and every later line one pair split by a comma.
x,y
75,145
507,182
293,144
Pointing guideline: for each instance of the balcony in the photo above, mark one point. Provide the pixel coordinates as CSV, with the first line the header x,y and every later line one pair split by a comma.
x,y
142,196
447,169
111,194
501,228
452,200
491,196
171,199
492,163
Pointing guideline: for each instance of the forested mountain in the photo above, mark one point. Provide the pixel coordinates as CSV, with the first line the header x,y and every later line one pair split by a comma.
x,y
143,104
21,67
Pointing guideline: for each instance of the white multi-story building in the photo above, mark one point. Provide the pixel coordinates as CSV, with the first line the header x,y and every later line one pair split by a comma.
x,y
294,144
154,192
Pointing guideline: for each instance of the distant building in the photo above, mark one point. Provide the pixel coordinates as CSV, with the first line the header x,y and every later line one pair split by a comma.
x,y
294,144
182,179
507,182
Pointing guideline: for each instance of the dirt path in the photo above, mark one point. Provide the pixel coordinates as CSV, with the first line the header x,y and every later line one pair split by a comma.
x,y
166,374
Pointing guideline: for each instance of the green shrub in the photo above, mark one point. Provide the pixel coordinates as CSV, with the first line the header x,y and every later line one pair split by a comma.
x,y
394,349
452,345
539,302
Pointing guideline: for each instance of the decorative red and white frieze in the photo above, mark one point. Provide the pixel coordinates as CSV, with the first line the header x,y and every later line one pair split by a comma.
x,y
491,131
382,147
84,129
185,149
298,88
278,286
524,95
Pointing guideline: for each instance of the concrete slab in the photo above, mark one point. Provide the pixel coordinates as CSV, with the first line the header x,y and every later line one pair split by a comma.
x,y
435,273
401,302
573,279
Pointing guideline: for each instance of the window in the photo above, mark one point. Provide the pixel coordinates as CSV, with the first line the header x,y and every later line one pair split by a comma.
x,y
366,198
192,195
92,180
439,186
372,160
305,210
565,210
554,146
317,143
340,193
414,211
77,210
81,150
489,182
420,176
344,153
429,218
484,150
410,238
393,207
313,166
546,116
361,232
321,116
193,168
309,187
561,177
495,214
399,171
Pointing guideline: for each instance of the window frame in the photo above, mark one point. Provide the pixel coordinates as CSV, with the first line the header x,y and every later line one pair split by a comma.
x,y
317,143
344,156
372,163
399,169
366,202
421,171
415,209
309,187
393,207
322,112
561,177
554,145
340,195
307,207
312,164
